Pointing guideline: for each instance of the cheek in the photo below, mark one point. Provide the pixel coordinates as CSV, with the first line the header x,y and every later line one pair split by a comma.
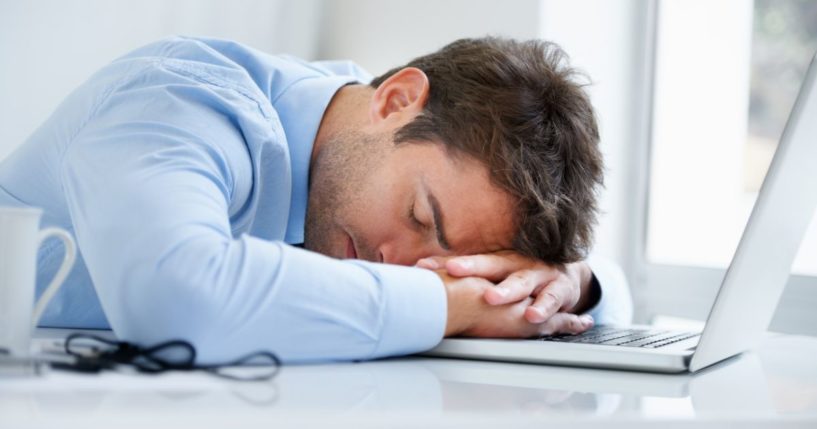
x,y
379,213
375,217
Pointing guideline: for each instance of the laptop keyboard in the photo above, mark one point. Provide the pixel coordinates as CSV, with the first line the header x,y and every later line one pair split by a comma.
x,y
627,337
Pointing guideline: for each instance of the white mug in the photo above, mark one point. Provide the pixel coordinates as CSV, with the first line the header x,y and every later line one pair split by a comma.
x,y
20,237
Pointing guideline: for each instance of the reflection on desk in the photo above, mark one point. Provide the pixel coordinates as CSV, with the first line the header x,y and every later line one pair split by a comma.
x,y
775,385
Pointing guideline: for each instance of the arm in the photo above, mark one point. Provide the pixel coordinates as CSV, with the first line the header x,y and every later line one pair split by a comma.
x,y
149,183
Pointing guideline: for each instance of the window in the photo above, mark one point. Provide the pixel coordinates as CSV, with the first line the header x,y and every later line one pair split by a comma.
x,y
725,77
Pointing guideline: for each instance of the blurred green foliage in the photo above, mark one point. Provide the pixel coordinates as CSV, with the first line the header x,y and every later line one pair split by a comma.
x,y
784,40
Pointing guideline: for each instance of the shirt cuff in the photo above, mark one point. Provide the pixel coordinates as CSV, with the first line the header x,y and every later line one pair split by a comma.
x,y
595,291
414,312
615,306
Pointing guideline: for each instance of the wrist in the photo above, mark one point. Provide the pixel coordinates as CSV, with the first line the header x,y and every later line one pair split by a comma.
x,y
454,325
459,297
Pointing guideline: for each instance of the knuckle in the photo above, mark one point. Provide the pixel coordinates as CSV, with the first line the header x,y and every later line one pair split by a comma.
x,y
528,273
517,276
551,300
518,280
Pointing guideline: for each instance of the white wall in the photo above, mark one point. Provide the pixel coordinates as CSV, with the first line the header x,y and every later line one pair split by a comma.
x,y
48,47
382,34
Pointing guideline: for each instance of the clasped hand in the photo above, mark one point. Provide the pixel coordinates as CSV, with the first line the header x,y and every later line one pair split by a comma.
x,y
505,294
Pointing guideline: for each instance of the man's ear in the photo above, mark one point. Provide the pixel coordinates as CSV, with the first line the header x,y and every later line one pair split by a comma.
x,y
402,95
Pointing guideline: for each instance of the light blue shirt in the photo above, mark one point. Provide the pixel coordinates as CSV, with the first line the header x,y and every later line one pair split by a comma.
x,y
181,169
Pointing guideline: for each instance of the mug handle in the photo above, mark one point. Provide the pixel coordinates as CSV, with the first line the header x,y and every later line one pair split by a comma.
x,y
62,273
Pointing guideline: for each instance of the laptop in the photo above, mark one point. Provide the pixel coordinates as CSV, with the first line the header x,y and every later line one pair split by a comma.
x,y
748,294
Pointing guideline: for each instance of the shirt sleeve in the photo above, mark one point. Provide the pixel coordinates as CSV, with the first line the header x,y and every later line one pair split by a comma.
x,y
148,184
615,306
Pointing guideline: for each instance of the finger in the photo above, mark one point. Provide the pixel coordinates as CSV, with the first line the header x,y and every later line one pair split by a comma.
x,y
494,266
566,323
552,298
432,262
517,286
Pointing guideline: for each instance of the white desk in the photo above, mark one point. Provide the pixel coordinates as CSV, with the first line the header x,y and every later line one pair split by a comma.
x,y
773,387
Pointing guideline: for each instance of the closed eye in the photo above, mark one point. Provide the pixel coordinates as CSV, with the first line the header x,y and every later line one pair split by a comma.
x,y
416,222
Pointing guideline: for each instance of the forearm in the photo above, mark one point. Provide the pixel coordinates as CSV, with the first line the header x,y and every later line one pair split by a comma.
x,y
299,304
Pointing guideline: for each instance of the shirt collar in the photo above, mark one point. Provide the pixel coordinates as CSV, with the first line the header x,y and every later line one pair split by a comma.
x,y
300,109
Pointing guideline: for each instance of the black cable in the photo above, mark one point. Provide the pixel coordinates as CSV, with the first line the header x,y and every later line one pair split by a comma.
x,y
150,360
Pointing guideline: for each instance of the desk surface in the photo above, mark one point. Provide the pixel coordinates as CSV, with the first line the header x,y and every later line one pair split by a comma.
x,y
775,386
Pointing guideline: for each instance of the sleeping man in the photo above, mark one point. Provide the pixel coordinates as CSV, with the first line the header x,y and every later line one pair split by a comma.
x,y
245,201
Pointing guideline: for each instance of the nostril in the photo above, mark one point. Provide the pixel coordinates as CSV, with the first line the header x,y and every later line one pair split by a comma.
x,y
379,256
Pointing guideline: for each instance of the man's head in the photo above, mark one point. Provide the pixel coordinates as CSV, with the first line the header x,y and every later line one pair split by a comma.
x,y
489,143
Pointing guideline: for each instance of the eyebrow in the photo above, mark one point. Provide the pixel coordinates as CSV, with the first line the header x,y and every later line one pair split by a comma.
x,y
438,221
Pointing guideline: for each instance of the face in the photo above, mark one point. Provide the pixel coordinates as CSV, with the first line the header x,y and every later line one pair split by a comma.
x,y
371,199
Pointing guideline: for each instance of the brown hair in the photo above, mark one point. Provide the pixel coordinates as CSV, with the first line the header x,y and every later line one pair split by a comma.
x,y
515,106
